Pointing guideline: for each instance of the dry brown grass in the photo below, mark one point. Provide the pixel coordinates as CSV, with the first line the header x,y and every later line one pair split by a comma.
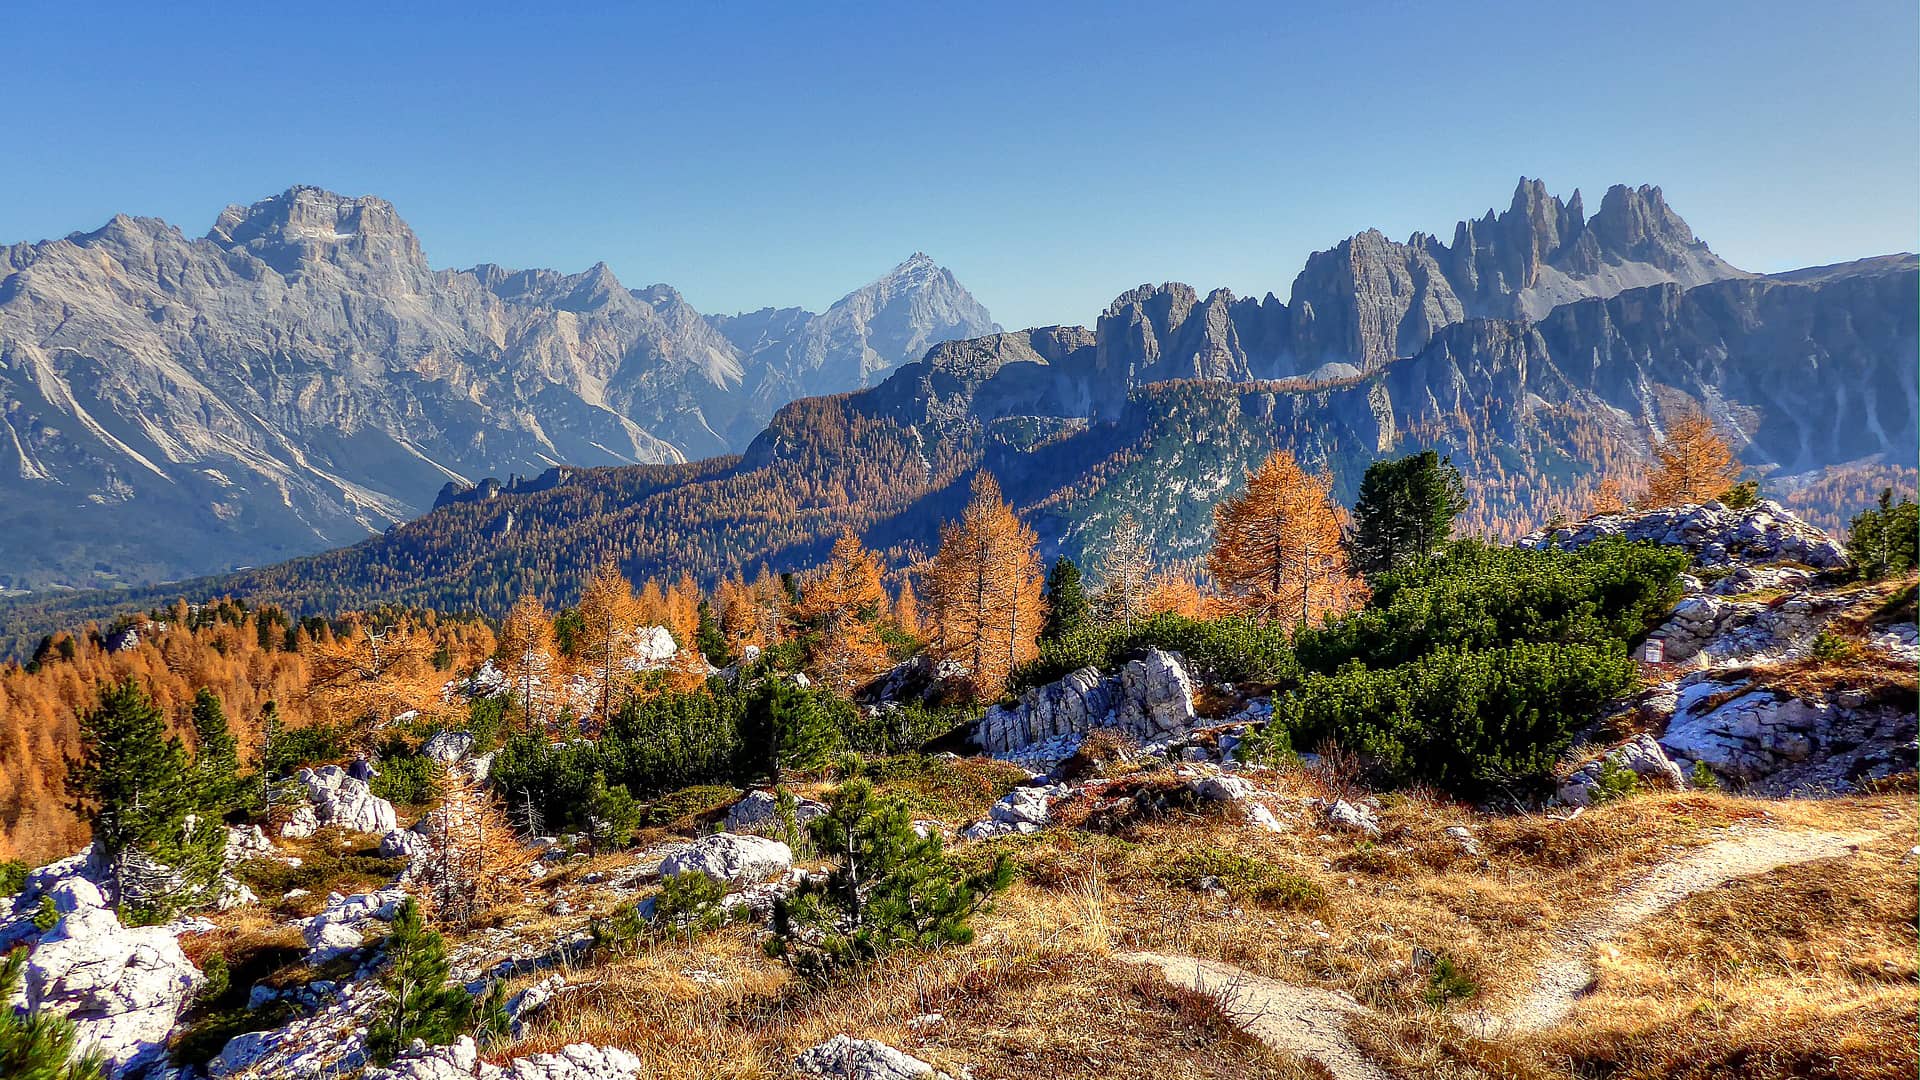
x,y
1805,971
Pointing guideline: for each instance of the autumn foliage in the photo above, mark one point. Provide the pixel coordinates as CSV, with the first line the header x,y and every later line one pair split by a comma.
x,y
984,590
839,607
1693,463
1277,551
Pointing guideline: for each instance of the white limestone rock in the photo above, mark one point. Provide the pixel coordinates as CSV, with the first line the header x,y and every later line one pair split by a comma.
x,y
846,1058
733,858
122,986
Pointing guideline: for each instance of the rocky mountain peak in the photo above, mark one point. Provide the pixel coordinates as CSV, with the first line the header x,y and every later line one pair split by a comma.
x,y
306,225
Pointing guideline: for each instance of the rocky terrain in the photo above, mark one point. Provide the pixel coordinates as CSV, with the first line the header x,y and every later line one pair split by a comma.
x,y
1303,918
300,378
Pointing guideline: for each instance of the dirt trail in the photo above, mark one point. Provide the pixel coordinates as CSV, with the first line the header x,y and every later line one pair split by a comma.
x,y
1568,970
1300,1020
1312,1023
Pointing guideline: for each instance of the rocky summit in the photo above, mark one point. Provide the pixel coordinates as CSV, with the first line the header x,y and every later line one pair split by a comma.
x,y
301,377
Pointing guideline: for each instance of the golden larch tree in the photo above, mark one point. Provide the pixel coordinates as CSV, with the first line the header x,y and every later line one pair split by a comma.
x,y
369,676
609,616
1693,463
840,606
984,588
473,861
1276,547
906,610
527,657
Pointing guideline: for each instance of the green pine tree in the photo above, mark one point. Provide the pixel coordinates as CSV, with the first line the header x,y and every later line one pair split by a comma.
x,y
611,814
1881,541
35,1045
216,756
1405,512
419,1004
788,727
713,641
137,791
1067,610
890,888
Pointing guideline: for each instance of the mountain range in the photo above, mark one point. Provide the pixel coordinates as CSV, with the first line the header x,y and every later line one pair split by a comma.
x,y
1162,407
300,378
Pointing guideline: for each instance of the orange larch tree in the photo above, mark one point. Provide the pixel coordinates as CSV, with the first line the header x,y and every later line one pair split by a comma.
x,y
985,590
1126,572
609,615
839,606
906,610
1693,463
1276,547
369,676
527,658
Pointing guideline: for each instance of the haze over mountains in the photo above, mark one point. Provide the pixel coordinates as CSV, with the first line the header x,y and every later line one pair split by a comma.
x,y
300,378
1164,404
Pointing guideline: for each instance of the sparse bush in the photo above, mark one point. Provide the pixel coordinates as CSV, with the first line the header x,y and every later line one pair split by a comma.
x,y
689,903
46,916
889,889
1446,983
13,876
1703,778
1234,650
1615,781
1829,647
1742,495
214,970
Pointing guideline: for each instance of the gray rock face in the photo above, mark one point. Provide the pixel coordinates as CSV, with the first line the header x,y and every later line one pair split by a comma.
x,y
1773,743
447,747
339,799
123,986
733,858
844,1057
1714,534
461,1061
300,378
1151,697
763,808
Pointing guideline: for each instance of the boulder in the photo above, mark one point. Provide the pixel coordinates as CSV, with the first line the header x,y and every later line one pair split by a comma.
x,y
733,858
1152,698
1640,755
844,1057
402,843
763,808
122,986
1222,788
339,799
461,1061
304,823
1354,817
447,746
336,930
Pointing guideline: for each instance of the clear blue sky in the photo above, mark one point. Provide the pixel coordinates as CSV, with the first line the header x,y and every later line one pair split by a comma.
x,y
779,154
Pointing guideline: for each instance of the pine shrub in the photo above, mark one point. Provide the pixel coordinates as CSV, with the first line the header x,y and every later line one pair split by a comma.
x,y
889,889
419,1004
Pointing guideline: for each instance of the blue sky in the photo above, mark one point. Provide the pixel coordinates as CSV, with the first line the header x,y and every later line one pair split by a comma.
x,y
779,154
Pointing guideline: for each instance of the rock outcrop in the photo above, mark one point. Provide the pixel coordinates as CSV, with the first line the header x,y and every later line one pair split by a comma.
x,y
1152,698
731,858
1714,534
461,1061
844,1057
761,808
123,986
1770,741
343,801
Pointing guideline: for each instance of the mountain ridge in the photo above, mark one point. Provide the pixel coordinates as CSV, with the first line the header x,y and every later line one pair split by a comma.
x,y
301,377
